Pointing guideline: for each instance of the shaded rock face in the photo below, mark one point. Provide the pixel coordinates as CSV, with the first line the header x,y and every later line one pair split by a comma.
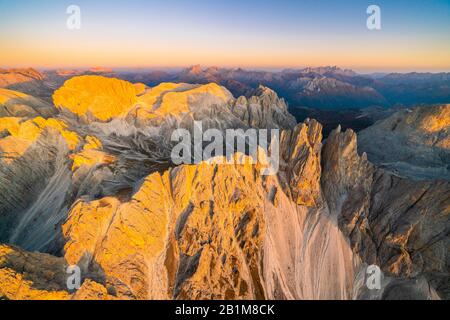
x,y
327,92
27,81
96,96
398,224
34,179
138,227
411,143
17,104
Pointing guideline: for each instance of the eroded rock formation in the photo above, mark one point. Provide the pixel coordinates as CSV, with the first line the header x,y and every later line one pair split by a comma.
x,y
94,187
413,143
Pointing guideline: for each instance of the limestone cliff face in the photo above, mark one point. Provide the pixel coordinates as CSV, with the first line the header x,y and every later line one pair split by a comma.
x,y
418,141
396,223
34,179
264,109
98,191
95,96
31,275
214,232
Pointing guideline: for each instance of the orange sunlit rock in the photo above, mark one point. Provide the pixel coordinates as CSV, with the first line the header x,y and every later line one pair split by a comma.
x,y
102,97
22,134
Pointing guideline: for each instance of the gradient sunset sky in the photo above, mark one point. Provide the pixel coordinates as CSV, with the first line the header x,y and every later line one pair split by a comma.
x,y
415,34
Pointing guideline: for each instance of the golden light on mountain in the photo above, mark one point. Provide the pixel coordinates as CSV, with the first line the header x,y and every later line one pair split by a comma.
x,y
91,184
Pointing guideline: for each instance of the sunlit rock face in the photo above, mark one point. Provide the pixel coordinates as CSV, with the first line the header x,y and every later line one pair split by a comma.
x,y
96,98
418,141
177,99
99,97
31,275
36,276
213,232
10,77
94,186
396,223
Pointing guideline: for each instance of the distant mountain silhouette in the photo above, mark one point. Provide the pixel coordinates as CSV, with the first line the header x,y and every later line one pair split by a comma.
x,y
320,88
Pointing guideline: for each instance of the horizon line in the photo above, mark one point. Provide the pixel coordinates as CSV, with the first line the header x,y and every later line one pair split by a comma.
x,y
359,70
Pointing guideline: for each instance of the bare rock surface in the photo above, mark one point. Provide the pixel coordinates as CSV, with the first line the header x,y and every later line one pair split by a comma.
x,y
27,81
94,187
413,143
17,104
396,223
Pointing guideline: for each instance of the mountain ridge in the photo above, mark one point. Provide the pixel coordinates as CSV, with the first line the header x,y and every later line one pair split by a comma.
x,y
102,194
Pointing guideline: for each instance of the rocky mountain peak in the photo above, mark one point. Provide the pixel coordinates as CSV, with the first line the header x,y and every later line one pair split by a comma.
x,y
98,191
25,72
330,70
195,70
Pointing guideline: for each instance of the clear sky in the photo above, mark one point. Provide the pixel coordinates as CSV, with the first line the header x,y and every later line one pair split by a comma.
x,y
415,34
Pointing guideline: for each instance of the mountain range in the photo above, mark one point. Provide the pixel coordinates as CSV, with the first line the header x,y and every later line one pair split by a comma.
x,y
86,179
329,94
322,87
